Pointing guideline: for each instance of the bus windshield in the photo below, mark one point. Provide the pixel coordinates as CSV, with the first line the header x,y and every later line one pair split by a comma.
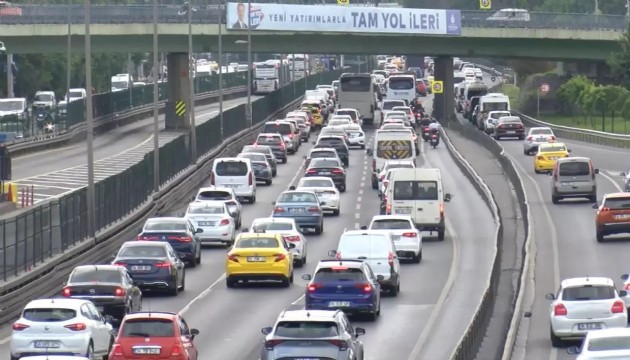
x,y
356,84
401,83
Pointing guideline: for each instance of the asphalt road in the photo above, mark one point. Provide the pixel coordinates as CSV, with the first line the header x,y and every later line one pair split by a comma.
x,y
424,322
55,172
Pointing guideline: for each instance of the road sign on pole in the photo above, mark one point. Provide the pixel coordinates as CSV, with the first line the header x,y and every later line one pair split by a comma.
x,y
544,88
485,4
438,86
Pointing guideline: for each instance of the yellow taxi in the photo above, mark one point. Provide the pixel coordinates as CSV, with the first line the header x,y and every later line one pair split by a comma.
x,y
315,108
259,256
547,155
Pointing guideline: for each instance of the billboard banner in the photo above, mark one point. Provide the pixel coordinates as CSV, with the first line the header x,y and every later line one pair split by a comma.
x,y
353,19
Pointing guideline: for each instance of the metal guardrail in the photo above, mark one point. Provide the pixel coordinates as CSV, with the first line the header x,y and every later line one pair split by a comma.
x,y
59,228
168,14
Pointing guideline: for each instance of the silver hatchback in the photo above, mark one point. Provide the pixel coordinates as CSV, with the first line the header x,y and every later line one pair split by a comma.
x,y
312,334
573,177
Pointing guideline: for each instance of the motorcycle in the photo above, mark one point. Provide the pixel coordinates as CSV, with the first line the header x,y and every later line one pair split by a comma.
x,y
425,133
419,116
435,140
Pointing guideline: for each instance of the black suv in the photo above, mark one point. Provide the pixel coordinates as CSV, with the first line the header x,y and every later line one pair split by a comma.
x,y
338,143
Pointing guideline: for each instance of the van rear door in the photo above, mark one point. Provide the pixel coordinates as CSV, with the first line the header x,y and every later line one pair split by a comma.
x,y
418,198
232,173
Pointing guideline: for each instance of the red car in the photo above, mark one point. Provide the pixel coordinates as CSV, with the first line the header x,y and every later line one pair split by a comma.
x,y
153,336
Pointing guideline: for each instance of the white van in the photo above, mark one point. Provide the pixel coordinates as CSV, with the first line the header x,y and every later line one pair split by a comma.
x,y
391,145
236,174
418,193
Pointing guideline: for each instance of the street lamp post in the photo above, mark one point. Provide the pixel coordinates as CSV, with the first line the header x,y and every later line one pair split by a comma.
x,y
220,62
68,54
156,127
91,199
191,92
249,64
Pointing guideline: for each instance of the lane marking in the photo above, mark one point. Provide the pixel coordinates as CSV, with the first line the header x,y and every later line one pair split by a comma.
x,y
202,295
358,207
357,226
357,216
615,183
44,153
298,299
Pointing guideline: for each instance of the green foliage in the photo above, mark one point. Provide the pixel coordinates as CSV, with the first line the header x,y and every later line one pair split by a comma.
x,y
619,62
572,91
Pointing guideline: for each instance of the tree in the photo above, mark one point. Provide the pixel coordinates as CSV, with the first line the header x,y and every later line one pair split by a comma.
x,y
571,92
619,62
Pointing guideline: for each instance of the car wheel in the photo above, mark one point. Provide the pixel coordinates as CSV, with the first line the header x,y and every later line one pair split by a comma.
x,y
440,235
362,147
593,198
555,199
336,212
525,152
174,289
229,282
183,285
252,199
198,259
536,171
284,161
286,282
417,258
372,316
342,188
298,263
192,264
90,352
555,340
374,184
600,237
274,173
238,223
521,137
268,182
393,291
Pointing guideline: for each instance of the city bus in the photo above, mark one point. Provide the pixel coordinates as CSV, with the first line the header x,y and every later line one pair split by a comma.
x,y
270,75
359,91
401,87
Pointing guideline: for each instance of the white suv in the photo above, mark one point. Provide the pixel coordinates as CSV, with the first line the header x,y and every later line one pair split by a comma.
x,y
585,304
236,174
61,326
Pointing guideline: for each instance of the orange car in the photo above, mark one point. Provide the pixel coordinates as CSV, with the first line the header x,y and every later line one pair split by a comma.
x,y
613,215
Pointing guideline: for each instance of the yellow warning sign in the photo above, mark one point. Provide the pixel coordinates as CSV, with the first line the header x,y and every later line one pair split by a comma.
x,y
180,108
437,87
393,149
343,2
485,4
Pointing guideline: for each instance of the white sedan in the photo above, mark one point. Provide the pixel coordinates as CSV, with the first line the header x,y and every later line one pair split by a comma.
x,y
401,228
356,136
604,344
289,231
213,217
325,190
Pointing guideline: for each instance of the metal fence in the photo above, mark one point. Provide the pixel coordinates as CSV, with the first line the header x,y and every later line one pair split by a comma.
x,y
51,228
209,14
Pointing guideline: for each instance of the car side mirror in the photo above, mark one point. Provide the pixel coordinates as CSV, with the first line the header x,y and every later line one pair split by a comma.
x,y
194,332
306,277
244,230
550,296
625,277
363,227
304,157
108,319
595,206
359,331
314,142
380,277
322,203
332,253
448,197
596,171
266,330
291,187
573,350
273,203
623,293
569,151
198,231
291,245
192,198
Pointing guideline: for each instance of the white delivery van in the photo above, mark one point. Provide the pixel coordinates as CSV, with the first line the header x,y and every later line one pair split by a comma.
x,y
494,102
419,194
391,145
236,174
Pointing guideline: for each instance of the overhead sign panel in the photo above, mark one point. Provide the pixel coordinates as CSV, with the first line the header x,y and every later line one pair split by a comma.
x,y
353,19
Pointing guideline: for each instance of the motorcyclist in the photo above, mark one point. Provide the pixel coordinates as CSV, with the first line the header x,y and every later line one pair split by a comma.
x,y
434,127
425,122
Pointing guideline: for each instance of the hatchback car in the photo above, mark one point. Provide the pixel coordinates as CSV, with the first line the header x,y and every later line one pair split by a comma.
x,y
339,121
573,177
213,217
312,334
317,153
61,327
262,172
353,113
258,158
585,304
328,167
509,126
265,150
276,143
303,206
326,191
613,215
289,231
259,256
349,285
545,159
401,228
110,288
356,136
154,265
535,137
153,335
603,344
178,232
338,143
287,131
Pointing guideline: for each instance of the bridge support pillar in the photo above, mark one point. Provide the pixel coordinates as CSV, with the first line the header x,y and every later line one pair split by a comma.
x,y
443,103
176,111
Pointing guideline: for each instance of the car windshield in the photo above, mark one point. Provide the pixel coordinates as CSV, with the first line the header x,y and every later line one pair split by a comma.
x,y
352,114
165,226
43,97
618,203
49,314
388,105
284,129
325,163
271,226
339,273
257,242
355,84
93,274
316,183
231,168
588,293
322,154
497,115
355,246
214,195
297,197
338,122
264,150
609,343
415,190
269,139
307,329
575,168
144,251
331,142
253,156
541,132
148,328
75,94
11,105
552,148
390,224
208,210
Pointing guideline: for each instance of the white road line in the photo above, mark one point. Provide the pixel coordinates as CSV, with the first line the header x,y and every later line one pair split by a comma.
x,y
358,207
357,216
615,183
44,153
298,299
362,183
360,191
202,295
357,226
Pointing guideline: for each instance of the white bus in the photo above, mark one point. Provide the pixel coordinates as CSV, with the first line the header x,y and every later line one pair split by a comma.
x,y
401,87
269,76
359,91
301,64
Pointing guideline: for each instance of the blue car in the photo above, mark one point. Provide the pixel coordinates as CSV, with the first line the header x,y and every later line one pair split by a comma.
x,y
179,232
348,285
303,206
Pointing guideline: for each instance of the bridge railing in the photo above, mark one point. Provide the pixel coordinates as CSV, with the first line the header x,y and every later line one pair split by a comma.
x,y
143,14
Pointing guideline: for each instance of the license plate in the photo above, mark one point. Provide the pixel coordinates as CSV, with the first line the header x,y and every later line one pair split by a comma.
x,y
232,186
403,211
510,132
589,326
566,183
325,172
541,139
146,351
395,237
43,344
622,217
553,158
296,210
339,304
140,268
256,258
206,223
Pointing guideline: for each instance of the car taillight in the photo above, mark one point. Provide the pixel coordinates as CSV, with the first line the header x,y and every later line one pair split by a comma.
x,y
120,292
19,327
311,171
291,136
280,257
233,257
162,265
409,234
176,350
519,126
278,210
381,177
212,179
314,287
390,259
340,343
67,292
120,263
617,307
292,238
501,126
231,203
530,138
441,209
251,179
117,350
604,209
560,310
313,209
255,143
337,171
76,327
627,287
270,344
181,238
224,222
367,288
541,158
